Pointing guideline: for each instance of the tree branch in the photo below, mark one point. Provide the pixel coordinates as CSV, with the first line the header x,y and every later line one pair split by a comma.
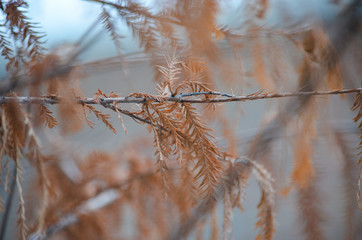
x,y
132,115
225,97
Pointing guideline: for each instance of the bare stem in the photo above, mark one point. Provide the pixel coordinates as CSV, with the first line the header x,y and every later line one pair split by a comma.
x,y
225,97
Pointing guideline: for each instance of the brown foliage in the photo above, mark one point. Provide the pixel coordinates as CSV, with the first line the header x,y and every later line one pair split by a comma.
x,y
357,105
178,192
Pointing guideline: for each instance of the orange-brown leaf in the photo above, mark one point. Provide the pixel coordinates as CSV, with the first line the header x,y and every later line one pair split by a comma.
x,y
46,117
101,116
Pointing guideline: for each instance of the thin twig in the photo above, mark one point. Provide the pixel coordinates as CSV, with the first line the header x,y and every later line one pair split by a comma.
x,y
180,98
132,115
109,102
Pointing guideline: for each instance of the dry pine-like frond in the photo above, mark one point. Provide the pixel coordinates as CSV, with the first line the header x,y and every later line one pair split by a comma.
x,y
114,190
266,221
46,117
101,116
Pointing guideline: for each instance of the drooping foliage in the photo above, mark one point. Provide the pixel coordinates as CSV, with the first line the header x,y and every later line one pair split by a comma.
x,y
169,186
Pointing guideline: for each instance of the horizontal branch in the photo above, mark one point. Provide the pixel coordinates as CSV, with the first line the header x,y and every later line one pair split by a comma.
x,y
224,97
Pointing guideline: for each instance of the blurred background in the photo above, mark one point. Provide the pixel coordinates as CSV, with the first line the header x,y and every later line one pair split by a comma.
x,y
65,22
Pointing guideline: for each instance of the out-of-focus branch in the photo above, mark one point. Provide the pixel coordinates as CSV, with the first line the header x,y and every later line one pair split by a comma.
x,y
95,203
101,200
137,9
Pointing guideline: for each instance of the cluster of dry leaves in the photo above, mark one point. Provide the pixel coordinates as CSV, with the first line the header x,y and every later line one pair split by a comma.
x,y
129,194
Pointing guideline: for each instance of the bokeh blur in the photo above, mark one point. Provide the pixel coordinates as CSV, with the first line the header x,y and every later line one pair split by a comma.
x,y
268,53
